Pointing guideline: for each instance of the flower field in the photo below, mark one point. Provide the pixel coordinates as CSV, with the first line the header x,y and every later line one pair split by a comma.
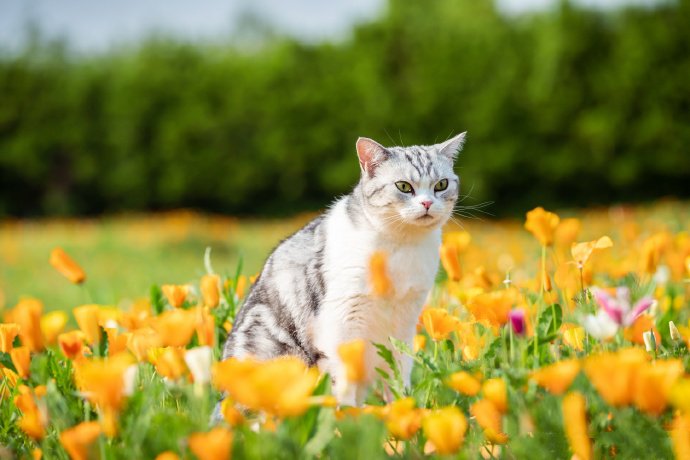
x,y
550,337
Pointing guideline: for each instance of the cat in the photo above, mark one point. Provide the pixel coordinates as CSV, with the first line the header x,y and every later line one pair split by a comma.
x,y
313,292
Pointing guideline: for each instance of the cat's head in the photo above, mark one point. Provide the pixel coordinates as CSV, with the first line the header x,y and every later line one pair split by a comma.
x,y
409,188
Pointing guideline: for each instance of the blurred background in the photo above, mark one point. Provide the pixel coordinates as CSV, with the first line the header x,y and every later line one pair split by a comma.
x,y
251,109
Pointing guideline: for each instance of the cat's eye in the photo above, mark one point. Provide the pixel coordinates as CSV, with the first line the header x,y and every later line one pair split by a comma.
x,y
441,185
404,187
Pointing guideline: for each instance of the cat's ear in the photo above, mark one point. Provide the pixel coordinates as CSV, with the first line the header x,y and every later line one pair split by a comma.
x,y
452,147
370,154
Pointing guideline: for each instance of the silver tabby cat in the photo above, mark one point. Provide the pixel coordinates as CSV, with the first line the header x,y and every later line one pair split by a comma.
x,y
314,293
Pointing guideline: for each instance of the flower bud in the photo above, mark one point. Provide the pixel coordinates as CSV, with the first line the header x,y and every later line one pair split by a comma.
x,y
674,332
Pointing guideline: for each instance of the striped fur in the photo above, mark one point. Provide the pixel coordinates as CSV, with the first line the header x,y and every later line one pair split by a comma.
x,y
313,292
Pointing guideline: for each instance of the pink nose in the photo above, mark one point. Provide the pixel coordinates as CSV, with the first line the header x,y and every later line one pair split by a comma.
x,y
427,204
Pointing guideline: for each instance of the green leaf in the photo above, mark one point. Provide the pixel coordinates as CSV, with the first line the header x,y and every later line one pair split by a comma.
x,y
6,360
549,322
156,296
325,432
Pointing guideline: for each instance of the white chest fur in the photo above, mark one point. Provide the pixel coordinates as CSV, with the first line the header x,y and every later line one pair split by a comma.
x,y
350,309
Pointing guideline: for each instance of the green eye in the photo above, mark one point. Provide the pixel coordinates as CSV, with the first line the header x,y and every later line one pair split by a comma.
x,y
404,187
441,185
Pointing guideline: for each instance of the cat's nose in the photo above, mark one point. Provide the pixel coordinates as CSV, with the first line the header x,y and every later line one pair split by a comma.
x,y
427,204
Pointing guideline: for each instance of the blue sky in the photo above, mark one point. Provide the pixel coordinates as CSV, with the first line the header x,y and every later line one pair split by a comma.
x,y
96,25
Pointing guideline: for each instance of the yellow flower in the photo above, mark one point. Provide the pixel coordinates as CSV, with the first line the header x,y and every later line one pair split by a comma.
x,y
167,455
72,344
117,343
52,325
66,266
489,418
403,419
210,290
542,224
419,342
573,336
21,358
582,251
169,362
214,445
575,422
613,374
495,391
141,341
8,332
78,440
27,314
87,319
652,250
352,355
445,429
378,274
439,323
280,386
680,395
680,436
557,377
464,383
175,293
138,315
175,327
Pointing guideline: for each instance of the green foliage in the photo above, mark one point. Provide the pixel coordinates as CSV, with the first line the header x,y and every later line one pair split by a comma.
x,y
563,107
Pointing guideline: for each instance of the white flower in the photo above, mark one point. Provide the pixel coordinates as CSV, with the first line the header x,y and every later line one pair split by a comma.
x,y
600,326
199,361
649,341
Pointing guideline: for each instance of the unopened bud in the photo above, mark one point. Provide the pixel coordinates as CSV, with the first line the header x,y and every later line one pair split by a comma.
x,y
649,341
674,332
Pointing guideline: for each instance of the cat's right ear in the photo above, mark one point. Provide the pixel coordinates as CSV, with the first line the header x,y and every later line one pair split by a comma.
x,y
370,154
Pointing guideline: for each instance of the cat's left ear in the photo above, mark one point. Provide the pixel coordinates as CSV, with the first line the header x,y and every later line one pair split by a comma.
x,y
452,147
370,154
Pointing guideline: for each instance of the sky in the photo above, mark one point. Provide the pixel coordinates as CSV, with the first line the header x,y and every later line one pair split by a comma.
x,y
97,25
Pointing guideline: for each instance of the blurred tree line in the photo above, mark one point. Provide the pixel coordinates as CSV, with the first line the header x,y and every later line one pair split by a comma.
x,y
564,107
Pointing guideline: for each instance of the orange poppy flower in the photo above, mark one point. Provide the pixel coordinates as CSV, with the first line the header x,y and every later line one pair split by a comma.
x,y
27,314
654,382
439,323
463,382
613,374
280,386
21,358
489,418
378,274
642,324
445,428
542,224
582,251
141,341
214,445
169,361
403,419
117,343
418,343
175,327
87,319
493,307
8,332
352,355
175,293
230,413
453,244
575,422
205,326
566,232
78,440
32,422
495,391
72,344
210,290
557,377
66,266
167,455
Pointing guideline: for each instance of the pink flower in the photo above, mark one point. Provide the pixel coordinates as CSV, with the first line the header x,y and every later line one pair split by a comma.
x,y
618,308
517,320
